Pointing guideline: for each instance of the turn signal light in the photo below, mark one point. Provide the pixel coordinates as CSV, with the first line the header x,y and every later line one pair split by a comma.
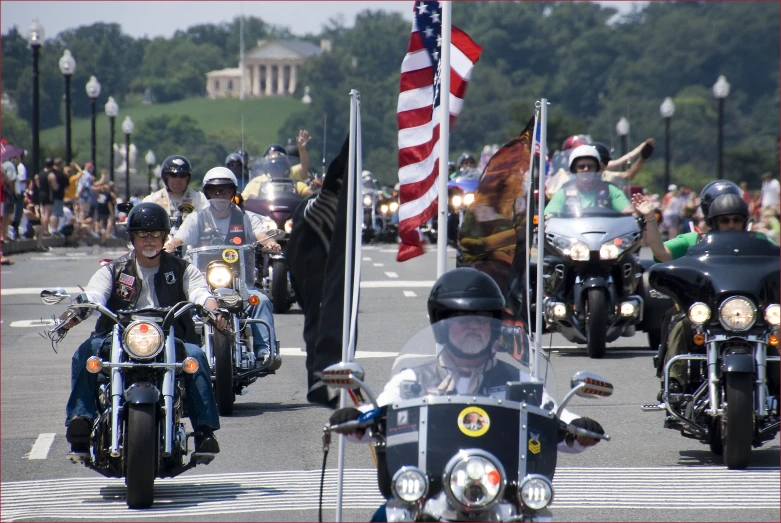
x,y
773,340
253,299
536,220
190,365
94,364
699,339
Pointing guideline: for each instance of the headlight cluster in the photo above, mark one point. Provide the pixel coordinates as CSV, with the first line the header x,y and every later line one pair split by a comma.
x,y
536,491
576,250
737,314
367,201
474,481
219,276
612,249
143,340
392,207
466,200
699,313
410,484
289,226
773,314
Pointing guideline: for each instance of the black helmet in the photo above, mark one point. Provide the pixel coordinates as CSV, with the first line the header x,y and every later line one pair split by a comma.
x,y
464,157
175,164
275,148
148,216
605,153
462,290
726,205
713,190
231,162
244,156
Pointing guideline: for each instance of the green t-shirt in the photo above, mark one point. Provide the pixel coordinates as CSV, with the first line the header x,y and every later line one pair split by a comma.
x,y
588,199
680,245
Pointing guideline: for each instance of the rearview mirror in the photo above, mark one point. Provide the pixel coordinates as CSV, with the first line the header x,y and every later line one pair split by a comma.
x,y
53,296
343,375
593,385
124,207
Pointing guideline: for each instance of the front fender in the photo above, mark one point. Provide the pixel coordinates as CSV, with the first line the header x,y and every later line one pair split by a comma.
x,y
738,362
142,393
594,282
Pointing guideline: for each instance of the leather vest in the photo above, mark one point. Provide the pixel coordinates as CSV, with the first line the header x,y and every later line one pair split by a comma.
x,y
572,196
208,234
169,290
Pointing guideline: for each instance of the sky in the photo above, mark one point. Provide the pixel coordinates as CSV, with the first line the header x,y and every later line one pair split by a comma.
x,y
154,18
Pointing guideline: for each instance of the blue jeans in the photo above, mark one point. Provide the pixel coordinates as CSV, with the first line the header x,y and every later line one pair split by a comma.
x,y
380,514
200,402
261,338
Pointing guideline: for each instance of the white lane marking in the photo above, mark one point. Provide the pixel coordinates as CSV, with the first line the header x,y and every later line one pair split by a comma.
x,y
396,284
42,445
362,354
391,274
34,290
367,258
410,294
379,265
31,323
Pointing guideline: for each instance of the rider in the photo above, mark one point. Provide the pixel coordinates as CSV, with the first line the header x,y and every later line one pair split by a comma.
x,y
177,172
468,363
562,175
223,223
588,189
646,149
135,281
276,158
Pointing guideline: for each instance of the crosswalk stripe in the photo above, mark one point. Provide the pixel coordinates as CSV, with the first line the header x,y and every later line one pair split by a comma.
x,y
663,488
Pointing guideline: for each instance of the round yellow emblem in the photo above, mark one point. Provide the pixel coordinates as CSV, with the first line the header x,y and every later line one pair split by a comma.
x,y
230,255
474,422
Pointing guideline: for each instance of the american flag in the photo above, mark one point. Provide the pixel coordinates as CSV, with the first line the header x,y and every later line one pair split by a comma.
x,y
418,117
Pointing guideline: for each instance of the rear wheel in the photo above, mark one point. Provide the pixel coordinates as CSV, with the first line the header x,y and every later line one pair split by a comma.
x,y
738,422
223,373
280,298
596,323
141,441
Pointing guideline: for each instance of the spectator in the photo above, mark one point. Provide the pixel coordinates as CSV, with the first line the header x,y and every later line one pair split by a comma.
x,y
105,210
9,195
745,192
43,183
85,193
770,191
769,226
672,209
34,227
58,186
22,184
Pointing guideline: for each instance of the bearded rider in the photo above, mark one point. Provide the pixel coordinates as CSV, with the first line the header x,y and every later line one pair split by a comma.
x,y
223,223
176,173
588,189
135,281
468,363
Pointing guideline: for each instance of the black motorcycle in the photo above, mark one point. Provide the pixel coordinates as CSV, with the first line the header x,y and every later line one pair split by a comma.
x,y
139,433
728,285
465,457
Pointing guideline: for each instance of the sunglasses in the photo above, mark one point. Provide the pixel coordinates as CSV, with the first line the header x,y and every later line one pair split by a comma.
x,y
178,175
144,234
584,167
726,220
219,192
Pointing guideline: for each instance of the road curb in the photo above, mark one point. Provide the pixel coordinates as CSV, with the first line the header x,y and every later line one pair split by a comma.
x,y
23,246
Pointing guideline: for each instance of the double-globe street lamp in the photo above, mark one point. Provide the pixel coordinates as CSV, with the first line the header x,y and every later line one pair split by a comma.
x,y
112,110
667,110
720,92
622,128
93,91
67,68
127,128
35,36
150,163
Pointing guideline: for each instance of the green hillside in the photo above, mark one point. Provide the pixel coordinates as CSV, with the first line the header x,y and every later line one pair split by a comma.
x,y
219,119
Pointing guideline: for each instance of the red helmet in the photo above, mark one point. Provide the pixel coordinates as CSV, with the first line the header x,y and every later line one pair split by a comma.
x,y
574,141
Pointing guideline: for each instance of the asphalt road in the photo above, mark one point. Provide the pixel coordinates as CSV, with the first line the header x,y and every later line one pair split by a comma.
x,y
269,467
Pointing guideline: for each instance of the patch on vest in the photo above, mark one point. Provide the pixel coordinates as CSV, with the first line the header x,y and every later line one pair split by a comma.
x,y
170,278
236,228
124,291
126,279
237,240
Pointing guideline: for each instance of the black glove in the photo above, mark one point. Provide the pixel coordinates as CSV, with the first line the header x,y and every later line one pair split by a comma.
x,y
588,424
647,151
344,415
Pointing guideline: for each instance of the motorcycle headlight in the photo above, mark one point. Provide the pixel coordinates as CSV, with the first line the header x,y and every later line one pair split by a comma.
x,y
219,276
289,226
469,198
737,314
773,314
410,484
473,480
384,209
699,313
609,251
457,200
536,491
367,201
394,207
578,251
143,340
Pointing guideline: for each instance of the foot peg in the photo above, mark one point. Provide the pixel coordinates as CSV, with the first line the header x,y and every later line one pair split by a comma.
x,y
652,407
202,458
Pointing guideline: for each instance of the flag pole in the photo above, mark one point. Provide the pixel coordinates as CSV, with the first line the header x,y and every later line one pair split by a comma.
x,y
529,217
540,233
348,276
444,138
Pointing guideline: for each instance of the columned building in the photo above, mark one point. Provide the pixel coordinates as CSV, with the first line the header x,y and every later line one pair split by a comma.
x,y
271,69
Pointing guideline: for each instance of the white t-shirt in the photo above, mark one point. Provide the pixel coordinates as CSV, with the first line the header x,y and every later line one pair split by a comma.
x,y
770,193
189,231
21,178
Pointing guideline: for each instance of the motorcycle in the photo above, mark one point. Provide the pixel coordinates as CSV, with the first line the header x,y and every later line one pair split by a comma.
x,y
227,269
388,201
728,285
465,457
460,195
591,274
277,200
139,433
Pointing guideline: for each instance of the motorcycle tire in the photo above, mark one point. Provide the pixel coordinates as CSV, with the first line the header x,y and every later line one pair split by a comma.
x,y
142,436
280,299
223,374
714,441
738,422
596,323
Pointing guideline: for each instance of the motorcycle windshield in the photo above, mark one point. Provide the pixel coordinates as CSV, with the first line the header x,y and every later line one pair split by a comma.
x,y
241,259
274,168
442,404
721,263
470,173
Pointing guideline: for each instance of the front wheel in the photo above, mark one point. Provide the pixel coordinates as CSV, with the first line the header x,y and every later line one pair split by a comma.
x,y
596,323
280,297
141,441
738,422
223,374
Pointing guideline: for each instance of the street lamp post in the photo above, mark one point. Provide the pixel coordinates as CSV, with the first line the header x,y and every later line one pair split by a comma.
x,y
112,110
622,128
127,128
67,68
720,92
667,110
35,36
93,91
150,163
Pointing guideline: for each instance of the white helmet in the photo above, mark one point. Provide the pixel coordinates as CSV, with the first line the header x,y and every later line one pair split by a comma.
x,y
220,176
583,151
